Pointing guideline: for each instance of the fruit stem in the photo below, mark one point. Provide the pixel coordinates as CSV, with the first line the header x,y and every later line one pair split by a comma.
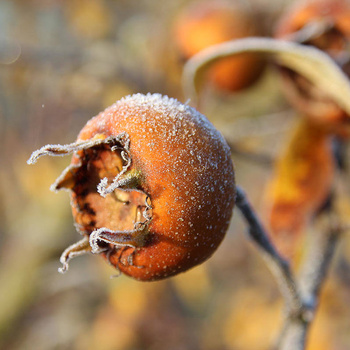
x,y
277,264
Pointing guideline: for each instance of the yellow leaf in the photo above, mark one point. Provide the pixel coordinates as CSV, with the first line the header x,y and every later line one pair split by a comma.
x,y
300,185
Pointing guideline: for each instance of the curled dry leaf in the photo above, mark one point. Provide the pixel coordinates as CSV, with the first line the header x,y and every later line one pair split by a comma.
x,y
207,23
152,187
323,24
300,186
309,62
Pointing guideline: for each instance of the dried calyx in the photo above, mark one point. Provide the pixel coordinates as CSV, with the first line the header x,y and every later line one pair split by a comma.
x,y
105,193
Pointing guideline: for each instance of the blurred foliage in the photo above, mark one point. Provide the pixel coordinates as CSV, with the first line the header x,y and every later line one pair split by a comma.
x,y
301,185
61,62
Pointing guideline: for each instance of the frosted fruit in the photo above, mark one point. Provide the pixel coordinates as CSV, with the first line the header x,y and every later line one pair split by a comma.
x,y
152,187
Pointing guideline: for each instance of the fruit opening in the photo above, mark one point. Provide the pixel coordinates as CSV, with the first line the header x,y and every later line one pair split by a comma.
x,y
109,208
118,209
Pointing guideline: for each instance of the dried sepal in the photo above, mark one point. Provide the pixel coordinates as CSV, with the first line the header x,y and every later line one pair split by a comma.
x,y
125,180
79,248
132,238
71,179
63,150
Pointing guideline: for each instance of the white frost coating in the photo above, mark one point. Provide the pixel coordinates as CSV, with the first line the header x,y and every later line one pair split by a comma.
x,y
197,152
177,123
169,108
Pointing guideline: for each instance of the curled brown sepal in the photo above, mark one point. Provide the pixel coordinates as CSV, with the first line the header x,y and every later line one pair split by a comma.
x,y
101,166
79,248
126,180
132,238
63,150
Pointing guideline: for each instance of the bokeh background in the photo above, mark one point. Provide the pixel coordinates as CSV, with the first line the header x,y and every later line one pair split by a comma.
x,y
62,62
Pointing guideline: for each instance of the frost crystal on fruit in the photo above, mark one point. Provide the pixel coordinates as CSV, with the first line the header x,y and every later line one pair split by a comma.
x,y
152,186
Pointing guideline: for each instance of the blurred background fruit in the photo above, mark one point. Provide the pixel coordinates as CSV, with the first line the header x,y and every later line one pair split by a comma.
x,y
206,23
325,25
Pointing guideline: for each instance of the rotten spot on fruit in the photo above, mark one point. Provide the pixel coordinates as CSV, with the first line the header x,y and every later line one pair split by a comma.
x,y
152,187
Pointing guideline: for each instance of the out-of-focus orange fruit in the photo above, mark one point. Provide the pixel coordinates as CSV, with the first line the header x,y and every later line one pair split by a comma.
x,y
204,24
324,24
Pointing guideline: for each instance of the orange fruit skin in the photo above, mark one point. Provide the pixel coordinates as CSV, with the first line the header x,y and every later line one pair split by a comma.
x,y
300,92
213,22
187,172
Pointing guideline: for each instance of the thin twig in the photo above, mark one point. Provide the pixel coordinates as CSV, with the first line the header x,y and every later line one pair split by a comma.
x,y
302,296
278,265
316,266
313,274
